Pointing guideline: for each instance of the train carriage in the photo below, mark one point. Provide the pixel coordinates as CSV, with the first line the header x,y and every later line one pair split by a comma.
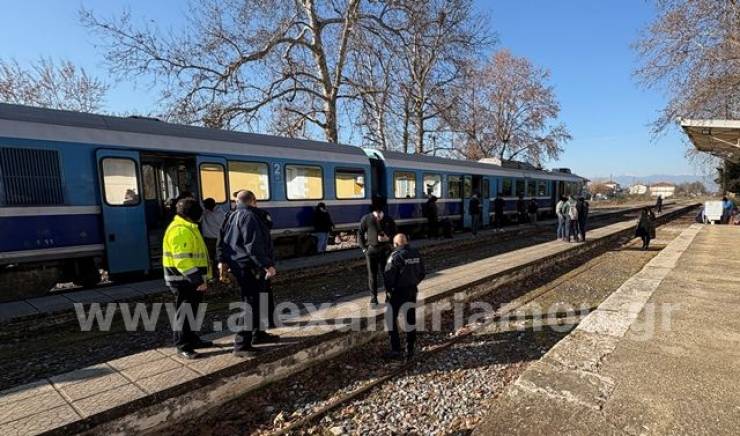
x,y
80,192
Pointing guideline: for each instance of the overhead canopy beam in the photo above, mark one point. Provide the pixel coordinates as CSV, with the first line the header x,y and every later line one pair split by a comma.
x,y
720,138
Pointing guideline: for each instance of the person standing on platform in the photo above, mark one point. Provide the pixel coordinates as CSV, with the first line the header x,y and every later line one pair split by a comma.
x,y
322,226
402,275
560,213
187,270
521,210
213,219
432,215
646,227
374,237
571,219
498,212
533,209
659,204
474,210
245,247
582,207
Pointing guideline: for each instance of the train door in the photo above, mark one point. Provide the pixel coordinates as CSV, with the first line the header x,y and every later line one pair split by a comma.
x,y
467,193
124,218
165,178
377,177
485,201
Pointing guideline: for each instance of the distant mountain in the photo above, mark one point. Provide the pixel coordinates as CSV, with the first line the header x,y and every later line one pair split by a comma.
x,y
655,178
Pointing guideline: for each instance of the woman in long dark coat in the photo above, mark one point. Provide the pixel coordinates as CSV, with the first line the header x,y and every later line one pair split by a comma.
x,y
646,227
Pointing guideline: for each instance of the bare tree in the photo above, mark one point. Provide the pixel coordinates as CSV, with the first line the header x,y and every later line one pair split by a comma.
x,y
506,109
410,54
236,60
692,50
47,84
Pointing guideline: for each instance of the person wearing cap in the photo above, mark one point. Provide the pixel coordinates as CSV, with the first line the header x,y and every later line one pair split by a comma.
x,y
187,270
403,273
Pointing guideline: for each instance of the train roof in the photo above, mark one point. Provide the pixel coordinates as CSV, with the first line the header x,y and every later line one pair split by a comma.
x,y
148,133
424,162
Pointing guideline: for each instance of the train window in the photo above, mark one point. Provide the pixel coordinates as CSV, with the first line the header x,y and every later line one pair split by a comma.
x,y
251,176
433,185
30,177
120,181
454,186
531,188
467,186
303,182
213,182
520,187
507,188
349,184
541,188
404,183
485,189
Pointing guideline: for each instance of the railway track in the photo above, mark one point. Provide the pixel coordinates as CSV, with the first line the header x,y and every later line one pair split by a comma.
x,y
58,347
434,346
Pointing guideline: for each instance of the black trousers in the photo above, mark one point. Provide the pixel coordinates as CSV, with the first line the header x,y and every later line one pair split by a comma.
x,y
187,301
375,260
253,292
402,304
645,241
432,228
475,223
582,228
498,220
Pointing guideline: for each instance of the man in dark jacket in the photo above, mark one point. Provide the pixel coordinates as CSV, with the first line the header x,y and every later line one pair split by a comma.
x,y
521,210
245,247
322,226
498,213
582,207
403,273
374,237
474,210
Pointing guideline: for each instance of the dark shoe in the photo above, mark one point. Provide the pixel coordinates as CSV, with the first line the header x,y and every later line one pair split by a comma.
x,y
188,354
203,344
246,352
374,300
393,355
265,338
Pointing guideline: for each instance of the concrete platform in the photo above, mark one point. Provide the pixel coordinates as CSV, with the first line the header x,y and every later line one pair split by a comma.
x,y
63,302
660,356
146,390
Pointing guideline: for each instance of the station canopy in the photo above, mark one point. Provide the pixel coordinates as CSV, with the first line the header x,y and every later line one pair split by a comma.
x,y
720,138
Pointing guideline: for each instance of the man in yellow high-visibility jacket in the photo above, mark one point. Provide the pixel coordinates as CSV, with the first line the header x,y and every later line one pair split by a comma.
x,y
187,270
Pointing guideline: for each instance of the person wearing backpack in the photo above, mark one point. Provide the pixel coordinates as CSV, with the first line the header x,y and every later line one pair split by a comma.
x,y
572,219
561,218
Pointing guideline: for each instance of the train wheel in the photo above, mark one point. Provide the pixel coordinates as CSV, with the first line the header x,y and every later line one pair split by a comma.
x,y
26,282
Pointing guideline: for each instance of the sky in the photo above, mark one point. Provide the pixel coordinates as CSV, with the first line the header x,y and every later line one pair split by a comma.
x,y
585,45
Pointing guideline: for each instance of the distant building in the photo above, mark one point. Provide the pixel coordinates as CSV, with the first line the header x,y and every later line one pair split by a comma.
x,y
638,189
663,189
613,186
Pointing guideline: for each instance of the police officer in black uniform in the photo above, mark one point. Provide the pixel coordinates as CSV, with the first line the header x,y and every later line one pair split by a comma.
x,y
403,273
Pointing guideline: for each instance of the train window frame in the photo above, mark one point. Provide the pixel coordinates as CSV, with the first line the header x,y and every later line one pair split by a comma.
x,y
225,180
415,178
459,178
517,193
542,188
467,186
531,189
137,173
510,191
424,185
259,162
485,188
285,181
347,170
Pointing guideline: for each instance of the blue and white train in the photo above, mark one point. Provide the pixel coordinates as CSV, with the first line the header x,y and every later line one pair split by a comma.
x,y
80,192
